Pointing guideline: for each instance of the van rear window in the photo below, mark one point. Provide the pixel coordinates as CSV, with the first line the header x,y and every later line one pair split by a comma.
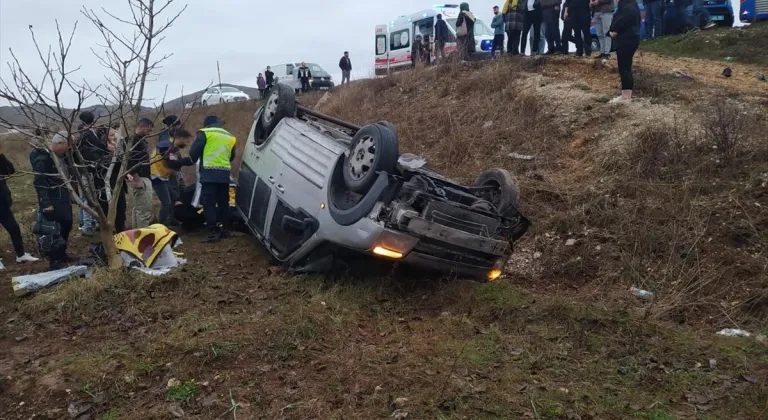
x,y
400,39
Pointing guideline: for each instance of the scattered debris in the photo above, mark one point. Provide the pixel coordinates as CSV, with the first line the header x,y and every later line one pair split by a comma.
x,y
411,161
323,100
712,364
727,72
641,293
488,124
24,285
2,267
172,383
682,73
515,155
734,332
536,255
762,339
399,402
176,411
399,414
76,409
761,77
749,378
729,59
516,351
570,242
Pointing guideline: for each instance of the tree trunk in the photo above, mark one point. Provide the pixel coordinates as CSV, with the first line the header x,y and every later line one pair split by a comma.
x,y
114,262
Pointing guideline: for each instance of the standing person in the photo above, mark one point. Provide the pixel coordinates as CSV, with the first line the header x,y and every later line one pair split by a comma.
x,y
139,177
602,16
577,17
214,147
116,146
304,76
531,19
625,32
701,15
498,32
262,85
465,32
164,169
513,19
7,219
53,197
654,18
345,64
417,51
92,146
550,12
442,35
270,77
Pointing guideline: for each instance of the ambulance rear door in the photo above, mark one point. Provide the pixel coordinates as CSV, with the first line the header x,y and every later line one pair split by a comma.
x,y
381,65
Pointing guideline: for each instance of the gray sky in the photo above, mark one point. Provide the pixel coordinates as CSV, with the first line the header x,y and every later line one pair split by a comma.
x,y
243,36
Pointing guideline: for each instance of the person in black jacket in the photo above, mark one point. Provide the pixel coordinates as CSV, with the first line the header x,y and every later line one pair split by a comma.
x,y
53,196
7,219
96,156
345,64
578,17
625,32
269,75
442,35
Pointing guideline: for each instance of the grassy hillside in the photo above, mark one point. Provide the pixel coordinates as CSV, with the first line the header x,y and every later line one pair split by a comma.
x,y
667,194
747,44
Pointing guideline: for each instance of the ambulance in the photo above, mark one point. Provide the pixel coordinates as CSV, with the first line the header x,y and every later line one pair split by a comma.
x,y
393,41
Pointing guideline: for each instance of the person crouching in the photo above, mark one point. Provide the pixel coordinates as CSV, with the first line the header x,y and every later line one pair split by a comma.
x,y
214,147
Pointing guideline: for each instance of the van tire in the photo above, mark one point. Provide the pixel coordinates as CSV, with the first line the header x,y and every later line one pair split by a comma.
x,y
280,103
374,149
389,125
506,193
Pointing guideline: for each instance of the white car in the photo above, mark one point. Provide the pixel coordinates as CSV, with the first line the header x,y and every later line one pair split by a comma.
x,y
219,95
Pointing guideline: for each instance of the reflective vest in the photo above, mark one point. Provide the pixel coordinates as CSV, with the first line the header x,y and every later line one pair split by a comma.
x,y
218,148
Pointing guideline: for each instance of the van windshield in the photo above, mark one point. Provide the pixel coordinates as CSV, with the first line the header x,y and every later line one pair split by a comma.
x,y
481,29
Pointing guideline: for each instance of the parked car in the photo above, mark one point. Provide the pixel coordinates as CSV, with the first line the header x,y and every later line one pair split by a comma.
x,y
720,11
310,192
221,94
288,74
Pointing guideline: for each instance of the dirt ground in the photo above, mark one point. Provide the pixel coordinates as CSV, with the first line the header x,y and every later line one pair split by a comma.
x,y
559,337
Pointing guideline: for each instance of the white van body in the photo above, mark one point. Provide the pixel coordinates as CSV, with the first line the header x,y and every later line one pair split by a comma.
x,y
393,41
288,74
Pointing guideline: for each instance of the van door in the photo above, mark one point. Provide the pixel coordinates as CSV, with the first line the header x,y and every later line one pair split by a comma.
x,y
381,62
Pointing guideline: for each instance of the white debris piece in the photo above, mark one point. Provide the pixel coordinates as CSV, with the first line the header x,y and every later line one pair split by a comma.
x,y
570,242
734,332
23,285
641,293
515,155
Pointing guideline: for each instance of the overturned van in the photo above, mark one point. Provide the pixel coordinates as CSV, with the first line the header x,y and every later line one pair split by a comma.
x,y
311,186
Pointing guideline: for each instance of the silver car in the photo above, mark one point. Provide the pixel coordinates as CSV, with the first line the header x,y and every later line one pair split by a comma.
x,y
312,188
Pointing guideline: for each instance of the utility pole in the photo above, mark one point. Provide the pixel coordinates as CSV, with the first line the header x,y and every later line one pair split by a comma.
x,y
218,70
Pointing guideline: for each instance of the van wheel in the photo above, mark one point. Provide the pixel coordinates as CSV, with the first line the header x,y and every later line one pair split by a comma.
x,y
389,125
373,149
505,192
281,103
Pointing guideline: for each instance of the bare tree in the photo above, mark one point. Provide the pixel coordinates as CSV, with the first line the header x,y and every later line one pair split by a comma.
x,y
128,53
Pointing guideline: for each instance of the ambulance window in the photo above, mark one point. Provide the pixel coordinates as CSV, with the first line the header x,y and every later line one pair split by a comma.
x,y
381,44
400,39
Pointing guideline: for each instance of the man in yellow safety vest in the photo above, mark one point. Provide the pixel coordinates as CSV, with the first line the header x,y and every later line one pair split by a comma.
x,y
214,147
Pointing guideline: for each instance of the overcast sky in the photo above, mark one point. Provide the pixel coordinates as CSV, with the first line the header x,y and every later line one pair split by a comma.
x,y
243,36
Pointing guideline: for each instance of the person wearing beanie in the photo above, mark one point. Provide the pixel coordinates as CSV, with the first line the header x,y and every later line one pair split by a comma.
x,y
97,157
166,162
214,148
7,219
53,196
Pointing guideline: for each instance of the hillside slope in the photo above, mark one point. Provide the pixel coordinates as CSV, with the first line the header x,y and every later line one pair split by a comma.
x,y
667,194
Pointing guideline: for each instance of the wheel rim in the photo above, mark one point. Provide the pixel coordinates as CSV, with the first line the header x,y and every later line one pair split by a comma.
x,y
270,109
362,158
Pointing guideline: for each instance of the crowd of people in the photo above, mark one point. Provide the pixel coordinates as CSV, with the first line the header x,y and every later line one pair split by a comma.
x,y
99,158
